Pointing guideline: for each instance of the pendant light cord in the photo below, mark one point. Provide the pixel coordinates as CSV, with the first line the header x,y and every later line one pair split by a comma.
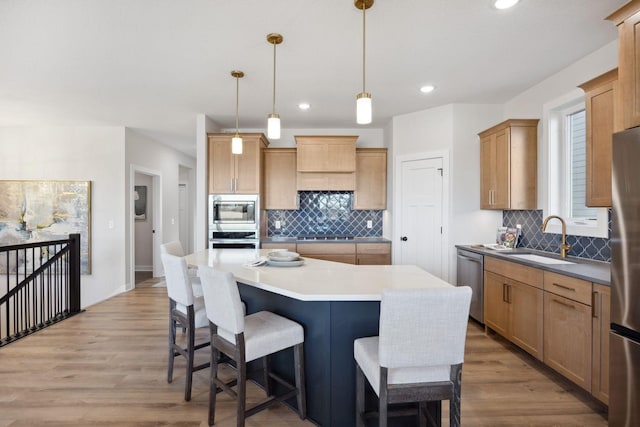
x,y
364,45
237,102
274,78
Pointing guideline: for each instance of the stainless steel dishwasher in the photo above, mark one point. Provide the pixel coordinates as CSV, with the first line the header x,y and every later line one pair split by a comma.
x,y
471,273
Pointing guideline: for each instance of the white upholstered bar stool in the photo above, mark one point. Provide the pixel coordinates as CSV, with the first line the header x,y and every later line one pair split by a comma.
x,y
246,338
418,356
175,248
187,310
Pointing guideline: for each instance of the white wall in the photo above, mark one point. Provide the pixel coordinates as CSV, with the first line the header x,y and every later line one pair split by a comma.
x,y
79,153
144,228
204,125
153,157
530,103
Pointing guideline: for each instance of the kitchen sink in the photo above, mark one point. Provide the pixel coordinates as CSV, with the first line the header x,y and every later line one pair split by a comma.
x,y
540,259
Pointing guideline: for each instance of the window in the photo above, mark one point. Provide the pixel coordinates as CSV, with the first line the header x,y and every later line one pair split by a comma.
x,y
566,169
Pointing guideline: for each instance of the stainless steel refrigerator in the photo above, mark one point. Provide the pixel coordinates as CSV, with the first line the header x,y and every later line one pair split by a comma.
x,y
624,374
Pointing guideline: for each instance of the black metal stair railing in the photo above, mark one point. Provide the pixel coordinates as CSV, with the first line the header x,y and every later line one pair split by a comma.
x,y
39,286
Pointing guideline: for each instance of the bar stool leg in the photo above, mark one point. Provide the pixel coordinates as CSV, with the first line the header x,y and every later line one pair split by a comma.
x,y
172,341
266,360
360,405
190,353
213,377
298,358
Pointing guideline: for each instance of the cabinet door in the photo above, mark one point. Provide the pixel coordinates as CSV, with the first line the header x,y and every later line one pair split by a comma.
x,y
487,177
567,338
600,127
526,308
629,70
247,168
496,309
221,166
371,179
501,170
600,358
373,254
280,178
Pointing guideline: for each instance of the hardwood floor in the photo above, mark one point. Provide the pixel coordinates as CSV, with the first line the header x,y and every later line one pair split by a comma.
x,y
107,367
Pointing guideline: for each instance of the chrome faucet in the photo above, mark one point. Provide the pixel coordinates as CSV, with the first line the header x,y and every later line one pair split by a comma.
x,y
564,248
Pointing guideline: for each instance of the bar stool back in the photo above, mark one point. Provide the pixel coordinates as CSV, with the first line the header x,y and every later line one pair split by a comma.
x,y
187,310
418,355
246,338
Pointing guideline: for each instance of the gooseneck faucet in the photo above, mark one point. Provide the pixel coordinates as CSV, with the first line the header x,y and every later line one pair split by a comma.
x,y
564,248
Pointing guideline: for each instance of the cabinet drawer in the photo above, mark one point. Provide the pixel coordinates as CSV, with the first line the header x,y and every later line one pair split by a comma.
x,y
568,287
291,247
327,248
373,248
344,258
521,273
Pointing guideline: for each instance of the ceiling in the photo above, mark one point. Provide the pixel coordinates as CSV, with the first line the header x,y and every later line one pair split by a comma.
x,y
153,65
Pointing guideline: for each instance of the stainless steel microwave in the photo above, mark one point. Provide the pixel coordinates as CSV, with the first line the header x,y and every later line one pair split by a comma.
x,y
233,212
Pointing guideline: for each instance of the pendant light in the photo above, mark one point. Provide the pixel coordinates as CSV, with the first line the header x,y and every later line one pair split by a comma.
x,y
273,121
363,103
236,141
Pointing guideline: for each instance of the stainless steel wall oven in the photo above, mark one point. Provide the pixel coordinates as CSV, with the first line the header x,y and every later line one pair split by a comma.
x,y
234,221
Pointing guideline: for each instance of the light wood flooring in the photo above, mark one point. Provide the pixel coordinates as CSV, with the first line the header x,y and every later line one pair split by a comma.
x,y
107,367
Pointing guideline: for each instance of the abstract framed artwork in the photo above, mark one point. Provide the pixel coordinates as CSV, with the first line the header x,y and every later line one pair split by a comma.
x,y
32,211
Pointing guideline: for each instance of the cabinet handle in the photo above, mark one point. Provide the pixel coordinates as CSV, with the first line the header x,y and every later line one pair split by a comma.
x,y
595,305
504,292
564,287
564,303
231,185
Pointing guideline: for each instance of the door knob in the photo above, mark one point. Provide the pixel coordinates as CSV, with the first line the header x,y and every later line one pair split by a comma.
x,y
404,238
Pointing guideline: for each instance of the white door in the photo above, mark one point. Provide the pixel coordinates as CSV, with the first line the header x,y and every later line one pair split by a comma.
x,y
421,238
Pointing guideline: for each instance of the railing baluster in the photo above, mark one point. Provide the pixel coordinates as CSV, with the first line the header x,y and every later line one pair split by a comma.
x,y
42,286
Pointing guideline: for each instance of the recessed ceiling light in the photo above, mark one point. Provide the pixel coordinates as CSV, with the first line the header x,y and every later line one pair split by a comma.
x,y
504,4
304,106
427,88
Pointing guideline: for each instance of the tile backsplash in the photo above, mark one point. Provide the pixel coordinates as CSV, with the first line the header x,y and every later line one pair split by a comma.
x,y
532,237
324,212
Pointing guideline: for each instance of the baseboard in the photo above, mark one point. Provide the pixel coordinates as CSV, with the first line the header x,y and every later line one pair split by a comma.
x,y
144,268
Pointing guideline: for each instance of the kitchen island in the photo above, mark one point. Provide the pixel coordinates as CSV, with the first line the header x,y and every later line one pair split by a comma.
x,y
334,302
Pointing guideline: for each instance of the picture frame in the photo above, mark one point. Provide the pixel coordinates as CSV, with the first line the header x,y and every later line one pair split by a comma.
x,y
140,202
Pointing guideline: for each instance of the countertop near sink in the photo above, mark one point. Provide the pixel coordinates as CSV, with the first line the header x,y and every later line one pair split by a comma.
x,y
275,239
586,269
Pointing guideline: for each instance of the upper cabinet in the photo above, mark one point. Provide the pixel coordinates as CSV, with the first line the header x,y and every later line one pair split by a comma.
x,y
280,178
235,173
508,165
326,163
627,18
603,118
371,179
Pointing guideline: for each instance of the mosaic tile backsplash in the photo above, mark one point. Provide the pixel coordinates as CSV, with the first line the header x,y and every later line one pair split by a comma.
x,y
324,212
532,237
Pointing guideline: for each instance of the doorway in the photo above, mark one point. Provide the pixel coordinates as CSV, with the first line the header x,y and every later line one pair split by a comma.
x,y
420,230
145,221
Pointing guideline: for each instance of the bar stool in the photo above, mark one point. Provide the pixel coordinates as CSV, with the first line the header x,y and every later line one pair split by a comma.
x,y
246,338
187,310
418,355
175,248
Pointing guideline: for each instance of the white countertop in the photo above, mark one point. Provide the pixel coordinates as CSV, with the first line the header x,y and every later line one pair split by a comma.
x,y
317,280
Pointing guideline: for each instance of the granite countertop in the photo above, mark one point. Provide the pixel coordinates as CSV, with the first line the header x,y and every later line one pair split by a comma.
x,y
278,239
586,269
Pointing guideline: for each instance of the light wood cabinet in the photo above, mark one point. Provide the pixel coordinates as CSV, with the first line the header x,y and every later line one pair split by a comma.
x,y
235,173
513,308
567,327
603,119
601,319
627,18
508,165
371,179
291,247
326,163
373,253
280,178
338,252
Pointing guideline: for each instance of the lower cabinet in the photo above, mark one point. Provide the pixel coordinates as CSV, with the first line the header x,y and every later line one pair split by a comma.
x,y
601,320
561,320
338,252
514,310
373,253
567,338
